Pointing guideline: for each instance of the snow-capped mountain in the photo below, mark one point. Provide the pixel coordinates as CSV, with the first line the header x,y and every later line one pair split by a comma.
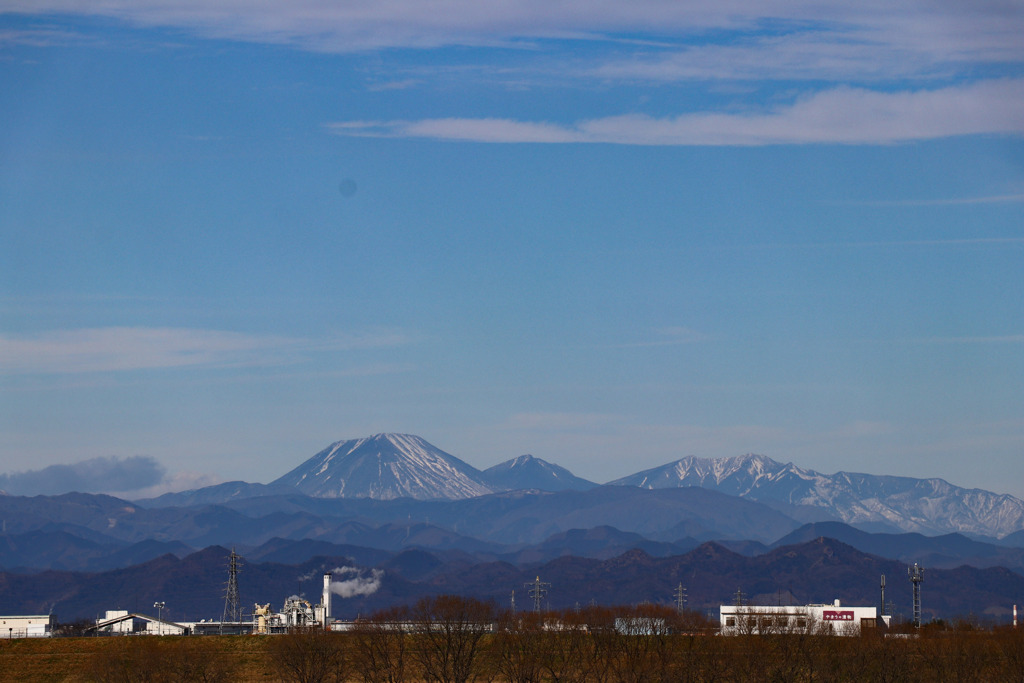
x,y
385,466
528,472
898,503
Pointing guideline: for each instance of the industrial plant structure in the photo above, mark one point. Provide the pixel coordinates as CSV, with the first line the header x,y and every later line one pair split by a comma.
x,y
296,613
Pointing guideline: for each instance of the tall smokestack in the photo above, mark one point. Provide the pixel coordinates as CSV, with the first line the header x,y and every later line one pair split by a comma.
x,y
326,600
882,606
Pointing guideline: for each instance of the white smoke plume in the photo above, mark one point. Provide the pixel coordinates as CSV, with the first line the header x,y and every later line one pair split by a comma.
x,y
358,584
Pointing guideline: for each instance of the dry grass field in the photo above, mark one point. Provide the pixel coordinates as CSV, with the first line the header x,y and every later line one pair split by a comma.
x,y
454,640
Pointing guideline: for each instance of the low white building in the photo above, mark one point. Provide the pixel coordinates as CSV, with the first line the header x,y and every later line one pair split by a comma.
x,y
28,626
122,622
825,619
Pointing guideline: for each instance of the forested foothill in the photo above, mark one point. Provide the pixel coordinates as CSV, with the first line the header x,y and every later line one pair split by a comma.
x,y
451,639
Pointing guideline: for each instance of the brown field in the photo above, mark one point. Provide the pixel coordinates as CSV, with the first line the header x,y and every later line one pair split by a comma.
x,y
136,658
451,645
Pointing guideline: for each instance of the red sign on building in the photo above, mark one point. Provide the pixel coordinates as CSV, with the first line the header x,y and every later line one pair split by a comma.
x,y
832,615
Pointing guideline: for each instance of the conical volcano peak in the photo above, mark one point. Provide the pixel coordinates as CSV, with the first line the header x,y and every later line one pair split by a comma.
x,y
386,466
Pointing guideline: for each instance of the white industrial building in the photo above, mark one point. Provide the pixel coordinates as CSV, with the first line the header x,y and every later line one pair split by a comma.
x,y
123,622
28,626
833,619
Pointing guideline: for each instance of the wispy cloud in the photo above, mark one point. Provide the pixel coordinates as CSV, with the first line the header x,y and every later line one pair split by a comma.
x,y
834,54
951,201
44,36
89,476
880,244
995,339
178,481
987,29
967,241
841,115
139,348
560,422
668,336
403,84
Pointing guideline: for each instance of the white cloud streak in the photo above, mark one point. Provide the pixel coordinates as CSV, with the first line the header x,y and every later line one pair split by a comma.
x,y
669,336
841,115
953,201
141,348
996,339
987,28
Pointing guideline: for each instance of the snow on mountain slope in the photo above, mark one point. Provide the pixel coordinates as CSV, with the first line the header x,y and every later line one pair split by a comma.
x,y
385,466
921,505
528,472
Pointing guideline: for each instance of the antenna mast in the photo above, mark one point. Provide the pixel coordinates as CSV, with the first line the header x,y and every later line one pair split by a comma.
x,y
916,575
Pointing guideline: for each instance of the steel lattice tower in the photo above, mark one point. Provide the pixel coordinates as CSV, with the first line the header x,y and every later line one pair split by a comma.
x,y
916,575
538,591
680,595
232,606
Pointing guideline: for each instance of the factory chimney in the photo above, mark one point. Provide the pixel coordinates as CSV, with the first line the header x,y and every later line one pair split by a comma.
x,y
325,601
881,608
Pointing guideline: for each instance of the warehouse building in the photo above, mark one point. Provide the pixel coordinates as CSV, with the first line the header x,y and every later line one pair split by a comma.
x,y
825,619
30,626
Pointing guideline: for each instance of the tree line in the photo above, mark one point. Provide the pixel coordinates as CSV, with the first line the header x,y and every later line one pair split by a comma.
x,y
451,639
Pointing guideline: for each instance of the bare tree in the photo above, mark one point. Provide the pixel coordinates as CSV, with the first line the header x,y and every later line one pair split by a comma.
x,y
308,655
641,640
448,639
379,645
566,651
518,645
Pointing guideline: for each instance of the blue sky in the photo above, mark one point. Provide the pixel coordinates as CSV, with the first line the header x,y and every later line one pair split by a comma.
x,y
607,234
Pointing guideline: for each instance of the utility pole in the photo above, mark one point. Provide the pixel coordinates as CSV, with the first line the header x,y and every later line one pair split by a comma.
x,y
159,616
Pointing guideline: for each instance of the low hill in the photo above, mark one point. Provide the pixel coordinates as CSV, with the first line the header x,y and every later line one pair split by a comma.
x,y
818,571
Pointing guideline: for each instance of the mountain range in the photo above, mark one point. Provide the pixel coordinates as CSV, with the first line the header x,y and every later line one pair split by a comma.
x,y
878,503
816,571
432,522
394,466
